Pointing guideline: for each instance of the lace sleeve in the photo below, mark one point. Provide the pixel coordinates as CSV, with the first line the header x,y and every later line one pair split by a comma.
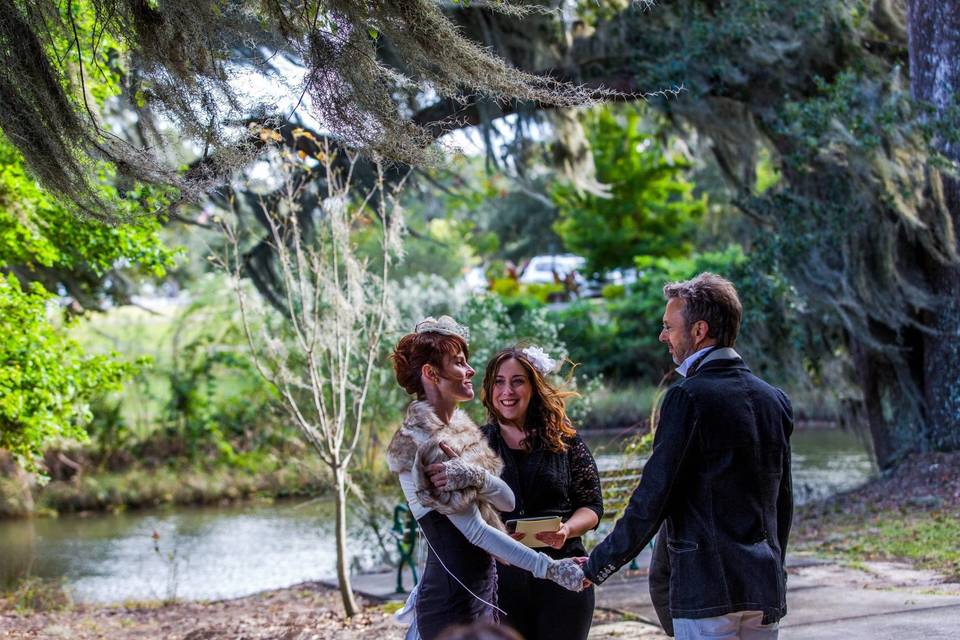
x,y
584,478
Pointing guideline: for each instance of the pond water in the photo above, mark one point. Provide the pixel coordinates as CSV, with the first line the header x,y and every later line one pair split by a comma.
x,y
826,460
223,552
199,553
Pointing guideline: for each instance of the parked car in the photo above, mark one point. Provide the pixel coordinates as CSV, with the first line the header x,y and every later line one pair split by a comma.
x,y
565,269
550,269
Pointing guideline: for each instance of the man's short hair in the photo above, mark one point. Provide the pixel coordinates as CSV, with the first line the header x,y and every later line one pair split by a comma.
x,y
714,300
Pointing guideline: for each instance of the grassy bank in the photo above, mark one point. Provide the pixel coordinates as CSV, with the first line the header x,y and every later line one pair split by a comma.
x,y
137,487
912,515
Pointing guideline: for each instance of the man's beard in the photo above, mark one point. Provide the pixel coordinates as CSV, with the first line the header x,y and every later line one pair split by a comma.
x,y
679,356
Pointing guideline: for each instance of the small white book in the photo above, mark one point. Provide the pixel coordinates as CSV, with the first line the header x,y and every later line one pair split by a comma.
x,y
533,526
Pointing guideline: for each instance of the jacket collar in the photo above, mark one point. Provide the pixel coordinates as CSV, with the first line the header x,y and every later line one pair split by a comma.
x,y
721,353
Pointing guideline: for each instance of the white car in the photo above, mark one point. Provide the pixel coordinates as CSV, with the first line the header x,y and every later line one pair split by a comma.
x,y
555,268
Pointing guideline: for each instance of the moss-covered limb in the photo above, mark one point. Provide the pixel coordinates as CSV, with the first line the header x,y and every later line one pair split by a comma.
x,y
179,59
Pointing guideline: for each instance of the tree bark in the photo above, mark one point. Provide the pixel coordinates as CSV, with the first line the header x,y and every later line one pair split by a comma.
x,y
350,607
934,45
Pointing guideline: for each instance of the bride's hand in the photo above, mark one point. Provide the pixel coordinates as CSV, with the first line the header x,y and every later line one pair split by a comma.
x,y
438,472
566,573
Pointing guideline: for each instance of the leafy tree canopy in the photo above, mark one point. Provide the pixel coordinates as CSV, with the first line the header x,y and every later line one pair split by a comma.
x,y
42,240
652,209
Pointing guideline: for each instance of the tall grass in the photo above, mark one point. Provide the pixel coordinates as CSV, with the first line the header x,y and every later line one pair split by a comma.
x,y
620,407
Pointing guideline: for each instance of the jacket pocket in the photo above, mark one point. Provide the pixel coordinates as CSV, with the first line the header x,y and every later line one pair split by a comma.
x,y
682,546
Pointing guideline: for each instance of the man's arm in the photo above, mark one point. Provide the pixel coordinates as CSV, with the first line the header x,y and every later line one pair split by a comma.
x,y
648,504
785,495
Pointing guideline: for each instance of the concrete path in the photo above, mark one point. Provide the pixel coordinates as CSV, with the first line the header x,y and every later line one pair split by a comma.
x,y
877,601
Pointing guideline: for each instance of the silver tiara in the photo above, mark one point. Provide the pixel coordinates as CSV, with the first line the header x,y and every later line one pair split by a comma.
x,y
445,325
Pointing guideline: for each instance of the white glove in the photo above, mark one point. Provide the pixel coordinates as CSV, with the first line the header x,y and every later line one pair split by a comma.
x,y
566,573
461,475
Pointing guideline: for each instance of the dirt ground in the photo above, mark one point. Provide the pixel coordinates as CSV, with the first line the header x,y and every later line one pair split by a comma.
x,y
305,612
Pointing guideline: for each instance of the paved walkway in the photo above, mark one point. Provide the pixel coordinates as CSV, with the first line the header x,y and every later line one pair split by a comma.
x,y
879,601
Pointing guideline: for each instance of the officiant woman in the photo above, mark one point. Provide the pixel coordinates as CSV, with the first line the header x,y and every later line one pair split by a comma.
x,y
552,473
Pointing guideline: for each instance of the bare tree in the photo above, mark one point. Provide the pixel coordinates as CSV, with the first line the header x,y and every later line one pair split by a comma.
x,y
322,358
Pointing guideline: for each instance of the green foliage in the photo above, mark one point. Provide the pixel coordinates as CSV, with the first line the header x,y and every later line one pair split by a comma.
x,y
652,209
200,400
495,326
618,337
37,230
928,539
34,594
46,380
618,408
504,217
275,475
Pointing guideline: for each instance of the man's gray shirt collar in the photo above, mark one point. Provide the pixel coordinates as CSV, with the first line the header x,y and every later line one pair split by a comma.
x,y
723,353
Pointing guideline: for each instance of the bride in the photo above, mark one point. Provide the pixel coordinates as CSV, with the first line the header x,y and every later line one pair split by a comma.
x,y
450,479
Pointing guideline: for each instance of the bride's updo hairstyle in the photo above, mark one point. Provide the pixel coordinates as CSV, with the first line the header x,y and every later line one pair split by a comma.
x,y
417,349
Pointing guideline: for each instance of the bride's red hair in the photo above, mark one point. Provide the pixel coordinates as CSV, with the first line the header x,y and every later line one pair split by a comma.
x,y
417,349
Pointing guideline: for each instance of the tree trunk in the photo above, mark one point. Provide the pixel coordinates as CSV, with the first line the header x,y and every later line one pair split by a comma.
x,y
934,30
343,574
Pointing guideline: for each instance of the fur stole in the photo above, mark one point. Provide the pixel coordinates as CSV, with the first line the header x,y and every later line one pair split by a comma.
x,y
416,445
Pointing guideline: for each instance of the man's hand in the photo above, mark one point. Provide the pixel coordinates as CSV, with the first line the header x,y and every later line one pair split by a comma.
x,y
518,536
554,539
582,561
438,472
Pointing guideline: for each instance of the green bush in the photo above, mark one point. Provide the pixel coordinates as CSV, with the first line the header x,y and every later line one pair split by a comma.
x,y
618,337
494,325
47,380
34,594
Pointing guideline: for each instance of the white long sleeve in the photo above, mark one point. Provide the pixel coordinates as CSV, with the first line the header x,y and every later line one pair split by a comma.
x,y
498,493
470,523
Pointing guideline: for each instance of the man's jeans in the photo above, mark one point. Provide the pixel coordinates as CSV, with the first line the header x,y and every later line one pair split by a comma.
x,y
742,625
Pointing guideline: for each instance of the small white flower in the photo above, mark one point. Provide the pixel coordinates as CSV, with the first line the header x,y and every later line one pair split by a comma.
x,y
540,360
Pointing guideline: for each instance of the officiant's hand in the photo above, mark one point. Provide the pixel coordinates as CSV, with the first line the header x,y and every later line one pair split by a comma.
x,y
556,538
518,536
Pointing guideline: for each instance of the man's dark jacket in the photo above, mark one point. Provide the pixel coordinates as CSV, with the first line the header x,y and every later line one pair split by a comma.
x,y
719,478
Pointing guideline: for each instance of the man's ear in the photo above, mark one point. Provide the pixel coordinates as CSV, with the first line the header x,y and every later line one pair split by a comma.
x,y
700,330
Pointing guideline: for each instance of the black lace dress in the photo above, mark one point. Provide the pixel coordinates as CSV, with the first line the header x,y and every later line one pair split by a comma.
x,y
546,483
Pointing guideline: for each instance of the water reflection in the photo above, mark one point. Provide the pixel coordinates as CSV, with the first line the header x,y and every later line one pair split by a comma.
x,y
201,553
825,460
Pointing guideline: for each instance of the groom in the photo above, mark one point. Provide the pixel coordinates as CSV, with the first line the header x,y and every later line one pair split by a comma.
x,y
718,477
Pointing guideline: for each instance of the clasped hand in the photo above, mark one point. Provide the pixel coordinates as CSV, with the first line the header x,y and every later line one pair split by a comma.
x,y
455,474
438,472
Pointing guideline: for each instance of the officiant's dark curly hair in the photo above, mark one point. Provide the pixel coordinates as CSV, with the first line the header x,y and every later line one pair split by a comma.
x,y
546,421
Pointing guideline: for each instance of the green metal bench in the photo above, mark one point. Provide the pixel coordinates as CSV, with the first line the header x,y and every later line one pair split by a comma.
x,y
617,486
405,535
